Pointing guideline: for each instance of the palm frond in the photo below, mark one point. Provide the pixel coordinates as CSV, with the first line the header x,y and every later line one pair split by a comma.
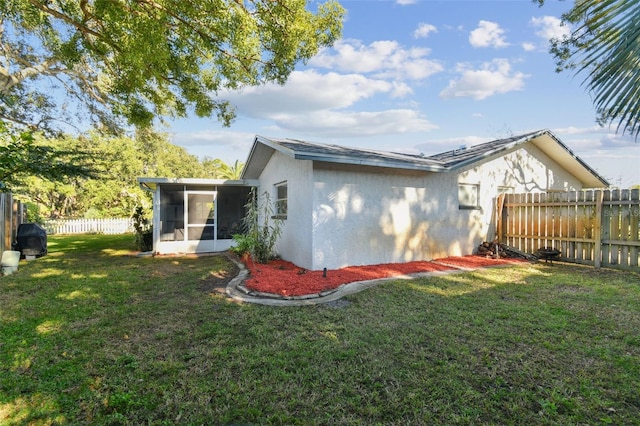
x,y
609,49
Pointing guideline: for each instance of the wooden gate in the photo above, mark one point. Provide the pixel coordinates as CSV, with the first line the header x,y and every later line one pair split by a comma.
x,y
594,227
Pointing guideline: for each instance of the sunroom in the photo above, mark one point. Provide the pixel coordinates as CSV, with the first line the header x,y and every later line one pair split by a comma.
x,y
196,215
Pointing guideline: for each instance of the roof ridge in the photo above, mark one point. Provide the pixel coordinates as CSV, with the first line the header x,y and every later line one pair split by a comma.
x,y
390,154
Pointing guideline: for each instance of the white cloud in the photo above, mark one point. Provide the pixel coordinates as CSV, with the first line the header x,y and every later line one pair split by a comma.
x,y
311,91
488,34
595,136
356,124
406,2
528,47
227,145
491,78
315,104
424,30
383,59
549,27
572,130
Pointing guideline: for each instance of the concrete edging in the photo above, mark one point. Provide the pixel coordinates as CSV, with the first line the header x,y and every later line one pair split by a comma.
x,y
237,291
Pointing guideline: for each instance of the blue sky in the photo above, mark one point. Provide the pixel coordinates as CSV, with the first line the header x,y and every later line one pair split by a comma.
x,y
426,76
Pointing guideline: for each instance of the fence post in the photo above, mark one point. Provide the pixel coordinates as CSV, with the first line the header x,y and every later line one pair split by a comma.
x,y
597,230
499,217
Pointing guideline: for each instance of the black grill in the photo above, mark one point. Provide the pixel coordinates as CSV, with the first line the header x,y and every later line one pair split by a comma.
x,y
31,240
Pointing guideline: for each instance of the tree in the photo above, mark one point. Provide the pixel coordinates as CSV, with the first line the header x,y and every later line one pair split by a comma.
x,y
22,156
605,45
113,190
212,166
142,59
218,169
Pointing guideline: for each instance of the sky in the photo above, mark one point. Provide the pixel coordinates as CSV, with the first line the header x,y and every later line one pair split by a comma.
x,y
422,76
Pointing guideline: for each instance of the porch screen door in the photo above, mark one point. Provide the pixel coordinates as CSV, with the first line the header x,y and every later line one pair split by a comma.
x,y
201,215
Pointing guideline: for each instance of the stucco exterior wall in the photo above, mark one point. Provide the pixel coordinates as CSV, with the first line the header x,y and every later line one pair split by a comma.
x,y
526,169
295,242
364,215
368,216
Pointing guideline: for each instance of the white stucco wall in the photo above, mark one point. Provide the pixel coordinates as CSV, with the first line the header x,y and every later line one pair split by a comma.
x,y
340,215
526,169
294,244
369,215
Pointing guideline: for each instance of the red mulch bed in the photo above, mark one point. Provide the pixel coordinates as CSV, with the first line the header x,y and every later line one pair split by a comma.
x,y
286,279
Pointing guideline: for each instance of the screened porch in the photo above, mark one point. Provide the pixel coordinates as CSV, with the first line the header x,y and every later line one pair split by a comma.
x,y
196,215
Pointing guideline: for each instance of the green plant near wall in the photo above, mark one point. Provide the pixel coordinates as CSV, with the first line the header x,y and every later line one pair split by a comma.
x,y
261,229
143,230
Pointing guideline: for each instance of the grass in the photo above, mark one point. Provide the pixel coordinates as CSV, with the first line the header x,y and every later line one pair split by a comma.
x,y
91,335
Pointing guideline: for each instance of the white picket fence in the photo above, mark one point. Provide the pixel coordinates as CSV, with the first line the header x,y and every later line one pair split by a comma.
x,y
89,226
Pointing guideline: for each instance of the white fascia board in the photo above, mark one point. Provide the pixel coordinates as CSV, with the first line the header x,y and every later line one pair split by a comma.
x,y
150,184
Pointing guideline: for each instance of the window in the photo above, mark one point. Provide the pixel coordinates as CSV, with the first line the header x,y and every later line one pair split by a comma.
x,y
281,200
468,196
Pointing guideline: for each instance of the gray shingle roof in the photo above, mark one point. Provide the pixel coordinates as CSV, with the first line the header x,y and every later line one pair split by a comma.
x,y
445,161
303,150
457,157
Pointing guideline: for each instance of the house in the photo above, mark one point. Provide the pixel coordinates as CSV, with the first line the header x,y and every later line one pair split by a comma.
x,y
342,206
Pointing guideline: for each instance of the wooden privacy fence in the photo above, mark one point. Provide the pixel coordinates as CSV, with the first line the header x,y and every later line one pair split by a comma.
x,y
594,227
89,226
12,214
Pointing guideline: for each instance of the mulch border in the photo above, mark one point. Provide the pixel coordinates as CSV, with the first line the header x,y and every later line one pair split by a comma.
x,y
238,291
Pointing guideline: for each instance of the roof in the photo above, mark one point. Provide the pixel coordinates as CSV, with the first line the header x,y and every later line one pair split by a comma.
x,y
301,150
456,159
150,183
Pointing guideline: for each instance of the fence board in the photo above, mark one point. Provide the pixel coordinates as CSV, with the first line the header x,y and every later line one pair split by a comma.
x,y
572,206
561,212
614,229
634,227
89,226
597,228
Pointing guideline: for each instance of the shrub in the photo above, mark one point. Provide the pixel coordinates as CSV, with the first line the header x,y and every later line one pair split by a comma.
x,y
143,230
260,234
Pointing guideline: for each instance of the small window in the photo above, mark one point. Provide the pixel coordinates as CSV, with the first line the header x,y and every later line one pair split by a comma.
x,y
468,196
281,200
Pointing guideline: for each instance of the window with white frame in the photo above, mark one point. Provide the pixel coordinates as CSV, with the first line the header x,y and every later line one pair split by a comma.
x,y
468,196
281,200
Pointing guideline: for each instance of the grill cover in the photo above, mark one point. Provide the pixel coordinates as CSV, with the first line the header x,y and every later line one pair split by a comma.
x,y
31,239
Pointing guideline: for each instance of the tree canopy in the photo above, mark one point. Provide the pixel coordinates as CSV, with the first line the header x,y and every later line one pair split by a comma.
x,y
142,59
22,156
605,46
112,190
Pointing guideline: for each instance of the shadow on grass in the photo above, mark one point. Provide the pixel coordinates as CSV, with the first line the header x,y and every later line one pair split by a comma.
x,y
91,337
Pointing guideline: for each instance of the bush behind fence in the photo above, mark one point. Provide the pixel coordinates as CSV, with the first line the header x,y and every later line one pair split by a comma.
x,y
89,226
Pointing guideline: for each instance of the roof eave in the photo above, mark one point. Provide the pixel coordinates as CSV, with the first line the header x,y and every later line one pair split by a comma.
x,y
368,162
593,179
257,160
590,179
150,184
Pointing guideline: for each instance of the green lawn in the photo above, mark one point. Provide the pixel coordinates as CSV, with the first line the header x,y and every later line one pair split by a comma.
x,y
91,335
